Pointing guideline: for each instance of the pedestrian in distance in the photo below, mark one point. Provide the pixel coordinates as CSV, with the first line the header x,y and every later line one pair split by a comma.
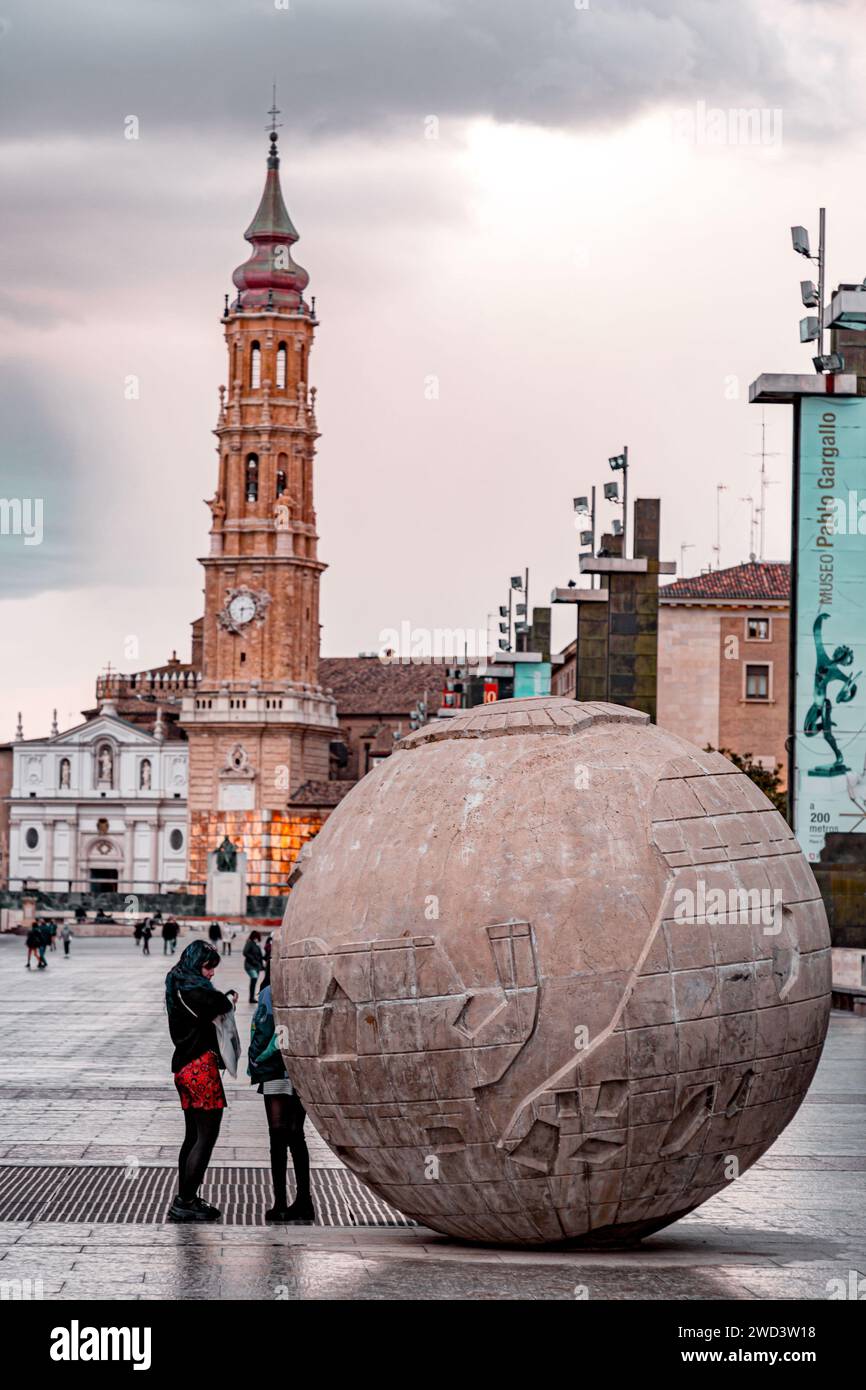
x,y
146,934
174,933
214,932
66,934
81,913
32,943
138,932
285,1115
254,962
51,925
228,938
43,935
193,1005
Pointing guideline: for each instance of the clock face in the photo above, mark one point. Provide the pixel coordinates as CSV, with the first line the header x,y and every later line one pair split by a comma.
x,y
242,609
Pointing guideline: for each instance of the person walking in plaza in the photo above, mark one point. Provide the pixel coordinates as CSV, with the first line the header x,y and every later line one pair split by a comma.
x,y
138,931
33,943
214,932
285,1115
228,938
51,927
146,934
193,1005
254,962
170,931
42,935
66,934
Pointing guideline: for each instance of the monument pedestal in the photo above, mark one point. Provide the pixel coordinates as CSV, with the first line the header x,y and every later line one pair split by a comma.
x,y
226,894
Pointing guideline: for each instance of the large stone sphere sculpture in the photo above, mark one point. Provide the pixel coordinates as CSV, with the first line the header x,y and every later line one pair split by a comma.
x,y
548,970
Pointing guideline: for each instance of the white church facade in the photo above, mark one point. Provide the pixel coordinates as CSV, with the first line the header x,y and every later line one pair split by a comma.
x,y
99,808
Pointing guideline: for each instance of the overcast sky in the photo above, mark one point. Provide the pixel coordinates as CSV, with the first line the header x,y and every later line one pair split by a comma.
x,y
527,201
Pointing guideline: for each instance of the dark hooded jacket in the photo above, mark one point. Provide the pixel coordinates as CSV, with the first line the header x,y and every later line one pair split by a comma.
x,y
192,1004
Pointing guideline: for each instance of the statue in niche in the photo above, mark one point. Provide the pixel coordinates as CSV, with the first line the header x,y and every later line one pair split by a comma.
x,y
65,774
226,857
105,763
145,780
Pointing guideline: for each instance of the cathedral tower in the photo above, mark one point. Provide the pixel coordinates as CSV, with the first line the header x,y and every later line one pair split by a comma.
x,y
259,725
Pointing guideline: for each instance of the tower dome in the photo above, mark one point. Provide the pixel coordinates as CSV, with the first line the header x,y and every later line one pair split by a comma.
x,y
270,278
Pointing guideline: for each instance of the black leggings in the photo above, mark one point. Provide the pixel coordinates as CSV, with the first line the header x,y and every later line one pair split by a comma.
x,y
286,1116
202,1130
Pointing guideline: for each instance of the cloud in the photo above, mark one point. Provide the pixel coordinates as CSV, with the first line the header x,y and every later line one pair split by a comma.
x,y
346,67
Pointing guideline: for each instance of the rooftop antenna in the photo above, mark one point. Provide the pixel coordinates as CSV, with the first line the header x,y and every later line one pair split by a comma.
x,y
717,548
753,526
761,509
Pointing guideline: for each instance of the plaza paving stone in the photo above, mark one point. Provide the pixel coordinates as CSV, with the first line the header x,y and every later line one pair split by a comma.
x,y
84,1078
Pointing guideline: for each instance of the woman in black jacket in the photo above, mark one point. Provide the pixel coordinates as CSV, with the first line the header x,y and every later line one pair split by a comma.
x,y
192,1004
285,1114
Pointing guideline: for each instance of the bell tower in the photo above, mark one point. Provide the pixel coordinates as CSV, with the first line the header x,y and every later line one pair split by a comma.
x,y
259,725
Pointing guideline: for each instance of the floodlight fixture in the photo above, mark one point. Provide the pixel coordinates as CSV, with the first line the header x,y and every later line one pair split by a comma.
x,y
581,504
809,329
800,241
618,461
503,611
611,492
617,527
520,609
503,645
586,538
516,582
809,294
503,627
829,362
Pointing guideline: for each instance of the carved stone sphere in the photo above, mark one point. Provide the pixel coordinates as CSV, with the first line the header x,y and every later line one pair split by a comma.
x,y
552,974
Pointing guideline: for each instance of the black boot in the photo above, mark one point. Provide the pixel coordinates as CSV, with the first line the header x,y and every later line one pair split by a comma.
x,y
189,1211
300,1213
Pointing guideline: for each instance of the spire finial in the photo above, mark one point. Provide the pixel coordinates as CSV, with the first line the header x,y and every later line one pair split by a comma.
x,y
273,159
273,113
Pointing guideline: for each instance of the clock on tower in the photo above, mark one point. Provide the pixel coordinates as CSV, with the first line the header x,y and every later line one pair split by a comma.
x,y
259,724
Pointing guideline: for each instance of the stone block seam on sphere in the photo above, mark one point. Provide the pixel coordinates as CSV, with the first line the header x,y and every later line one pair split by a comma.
x,y
506,1001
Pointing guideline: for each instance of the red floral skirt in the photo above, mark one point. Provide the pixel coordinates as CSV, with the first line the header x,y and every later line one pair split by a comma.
x,y
199,1084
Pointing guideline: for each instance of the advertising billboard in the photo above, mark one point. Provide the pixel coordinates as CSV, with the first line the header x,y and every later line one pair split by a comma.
x,y
830,637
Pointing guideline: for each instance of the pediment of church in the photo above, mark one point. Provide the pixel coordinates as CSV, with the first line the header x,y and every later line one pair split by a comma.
x,y
104,726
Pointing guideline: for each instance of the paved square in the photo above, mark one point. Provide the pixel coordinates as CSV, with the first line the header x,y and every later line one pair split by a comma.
x,y
85,1081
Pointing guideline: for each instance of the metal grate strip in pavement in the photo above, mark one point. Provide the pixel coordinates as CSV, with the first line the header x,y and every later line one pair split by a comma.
x,y
142,1196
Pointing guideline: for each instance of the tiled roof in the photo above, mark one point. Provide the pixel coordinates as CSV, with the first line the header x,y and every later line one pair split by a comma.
x,y
324,794
366,685
756,580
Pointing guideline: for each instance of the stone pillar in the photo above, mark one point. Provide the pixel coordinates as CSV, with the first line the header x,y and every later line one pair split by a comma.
x,y
48,862
153,886
128,861
73,853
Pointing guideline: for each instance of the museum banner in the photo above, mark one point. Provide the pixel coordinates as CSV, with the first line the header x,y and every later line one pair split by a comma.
x,y
830,652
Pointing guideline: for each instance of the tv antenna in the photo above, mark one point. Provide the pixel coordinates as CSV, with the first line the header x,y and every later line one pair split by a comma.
x,y
765,482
